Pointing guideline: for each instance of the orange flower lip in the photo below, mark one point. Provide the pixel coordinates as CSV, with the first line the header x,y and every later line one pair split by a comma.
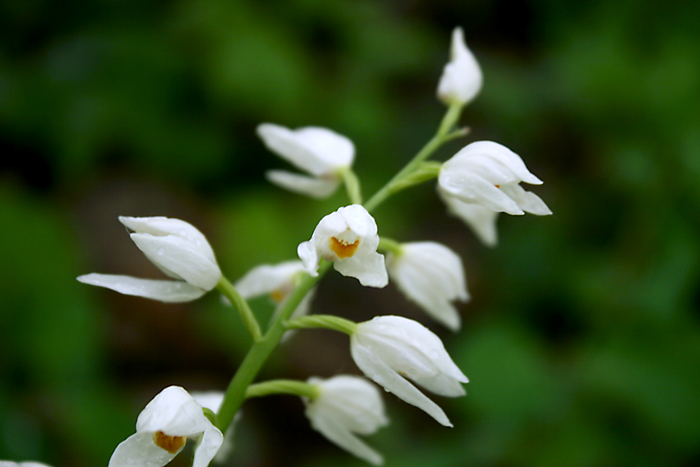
x,y
172,444
342,248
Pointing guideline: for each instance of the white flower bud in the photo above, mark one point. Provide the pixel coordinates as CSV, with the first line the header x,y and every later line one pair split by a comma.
x,y
347,405
318,151
389,348
461,79
431,275
176,248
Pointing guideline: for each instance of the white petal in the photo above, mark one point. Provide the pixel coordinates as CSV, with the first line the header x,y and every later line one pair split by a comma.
x,y
342,437
470,187
480,219
162,290
309,256
315,150
174,412
208,446
315,187
139,450
267,278
461,79
375,369
174,254
370,270
528,201
503,155
162,226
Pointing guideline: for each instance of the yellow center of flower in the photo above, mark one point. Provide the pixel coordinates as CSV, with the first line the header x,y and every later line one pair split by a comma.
x,y
278,295
172,444
342,248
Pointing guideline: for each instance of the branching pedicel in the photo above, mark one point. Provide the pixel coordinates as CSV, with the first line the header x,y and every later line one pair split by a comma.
x,y
477,183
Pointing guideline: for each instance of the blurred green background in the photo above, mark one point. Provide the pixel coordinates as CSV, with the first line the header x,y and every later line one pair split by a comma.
x,y
582,341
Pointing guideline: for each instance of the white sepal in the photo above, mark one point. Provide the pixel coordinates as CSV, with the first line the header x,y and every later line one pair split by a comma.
x,y
480,219
162,290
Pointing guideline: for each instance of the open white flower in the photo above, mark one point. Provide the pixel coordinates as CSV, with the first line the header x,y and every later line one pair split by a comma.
x,y
389,348
462,78
178,249
480,219
347,405
22,464
348,237
320,152
488,174
278,282
162,430
212,400
431,275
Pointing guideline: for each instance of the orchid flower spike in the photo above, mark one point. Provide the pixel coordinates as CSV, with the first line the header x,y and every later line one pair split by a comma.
x,y
176,248
320,152
22,464
347,237
346,405
488,174
462,78
389,349
432,276
162,429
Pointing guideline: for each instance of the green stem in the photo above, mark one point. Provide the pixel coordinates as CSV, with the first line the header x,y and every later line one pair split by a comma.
x,y
282,386
334,323
352,185
240,303
261,350
443,135
390,245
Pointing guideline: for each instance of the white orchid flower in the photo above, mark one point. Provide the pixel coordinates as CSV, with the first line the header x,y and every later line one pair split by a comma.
x,y
480,219
346,405
347,237
278,282
22,464
488,174
162,430
389,348
318,151
432,276
212,400
462,78
178,249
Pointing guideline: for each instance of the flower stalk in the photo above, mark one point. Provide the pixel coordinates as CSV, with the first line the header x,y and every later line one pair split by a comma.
x,y
240,303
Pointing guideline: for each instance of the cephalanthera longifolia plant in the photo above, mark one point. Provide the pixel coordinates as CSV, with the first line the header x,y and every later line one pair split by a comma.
x,y
398,354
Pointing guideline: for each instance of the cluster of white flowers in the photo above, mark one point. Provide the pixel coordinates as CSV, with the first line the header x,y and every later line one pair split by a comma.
x,y
477,183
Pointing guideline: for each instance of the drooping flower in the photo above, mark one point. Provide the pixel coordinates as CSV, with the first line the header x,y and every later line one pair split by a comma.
x,y
22,464
347,237
462,78
278,282
488,174
389,349
432,276
178,249
212,400
346,405
162,430
318,151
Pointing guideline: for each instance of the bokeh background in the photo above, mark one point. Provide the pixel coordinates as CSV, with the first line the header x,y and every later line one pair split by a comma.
x,y
582,341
